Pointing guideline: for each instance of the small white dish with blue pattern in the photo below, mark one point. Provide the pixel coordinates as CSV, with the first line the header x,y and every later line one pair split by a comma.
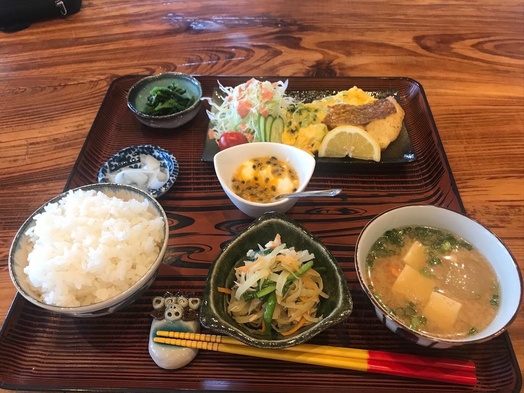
x,y
148,167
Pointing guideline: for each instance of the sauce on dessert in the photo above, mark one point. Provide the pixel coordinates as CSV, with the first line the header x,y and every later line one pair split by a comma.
x,y
261,179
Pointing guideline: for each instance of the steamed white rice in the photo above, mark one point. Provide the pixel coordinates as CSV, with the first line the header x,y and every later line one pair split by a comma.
x,y
89,247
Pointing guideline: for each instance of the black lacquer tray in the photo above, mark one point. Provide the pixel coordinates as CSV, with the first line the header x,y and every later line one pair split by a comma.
x,y
43,351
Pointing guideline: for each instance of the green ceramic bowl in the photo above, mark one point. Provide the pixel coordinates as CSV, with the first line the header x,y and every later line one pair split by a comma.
x,y
140,91
213,313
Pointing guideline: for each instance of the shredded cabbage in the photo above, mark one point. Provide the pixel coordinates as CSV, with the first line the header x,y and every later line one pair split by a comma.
x,y
242,105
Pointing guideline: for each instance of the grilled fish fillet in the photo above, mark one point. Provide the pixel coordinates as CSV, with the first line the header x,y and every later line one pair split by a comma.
x,y
343,114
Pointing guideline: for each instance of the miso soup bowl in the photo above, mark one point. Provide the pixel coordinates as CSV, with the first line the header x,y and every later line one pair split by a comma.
x,y
227,162
484,240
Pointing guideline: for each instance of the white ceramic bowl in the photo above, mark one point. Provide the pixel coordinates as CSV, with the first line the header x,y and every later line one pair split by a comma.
x,y
21,247
485,241
227,161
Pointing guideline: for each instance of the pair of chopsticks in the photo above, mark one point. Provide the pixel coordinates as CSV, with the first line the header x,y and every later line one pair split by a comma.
x,y
413,366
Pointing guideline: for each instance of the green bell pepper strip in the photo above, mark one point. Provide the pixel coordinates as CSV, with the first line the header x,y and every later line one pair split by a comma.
x,y
266,291
268,312
304,268
250,295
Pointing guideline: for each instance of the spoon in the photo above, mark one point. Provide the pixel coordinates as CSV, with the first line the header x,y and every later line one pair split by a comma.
x,y
317,193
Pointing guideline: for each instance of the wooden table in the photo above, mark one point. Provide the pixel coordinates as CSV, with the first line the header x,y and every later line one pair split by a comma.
x,y
468,58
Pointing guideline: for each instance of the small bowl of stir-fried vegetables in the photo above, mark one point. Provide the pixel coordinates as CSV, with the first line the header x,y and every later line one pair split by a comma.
x,y
274,285
166,100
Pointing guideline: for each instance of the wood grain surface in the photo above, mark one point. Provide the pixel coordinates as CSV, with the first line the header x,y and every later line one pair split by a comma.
x,y
468,56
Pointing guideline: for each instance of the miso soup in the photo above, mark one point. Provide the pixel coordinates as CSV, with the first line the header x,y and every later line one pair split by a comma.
x,y
433,281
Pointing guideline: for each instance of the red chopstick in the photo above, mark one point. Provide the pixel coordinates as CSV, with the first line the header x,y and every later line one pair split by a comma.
x,y
432,373
422,361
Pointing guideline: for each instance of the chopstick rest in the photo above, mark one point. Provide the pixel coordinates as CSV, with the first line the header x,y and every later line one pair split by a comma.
x,y
173,313
435,369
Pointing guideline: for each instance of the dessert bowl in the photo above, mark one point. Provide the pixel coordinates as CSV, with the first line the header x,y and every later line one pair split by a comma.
x,y
229,160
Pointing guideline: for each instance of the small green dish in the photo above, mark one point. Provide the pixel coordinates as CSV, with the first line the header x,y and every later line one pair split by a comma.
x,y
140,91
213,312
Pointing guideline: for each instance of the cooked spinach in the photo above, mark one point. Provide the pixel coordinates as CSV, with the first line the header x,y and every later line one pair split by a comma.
x,y
168,100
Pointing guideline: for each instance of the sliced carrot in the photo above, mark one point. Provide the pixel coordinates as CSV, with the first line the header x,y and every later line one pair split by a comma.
x,y
245,268
294,329
224,290
395,270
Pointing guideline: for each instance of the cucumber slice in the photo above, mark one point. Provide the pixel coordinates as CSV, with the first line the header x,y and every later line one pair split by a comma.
x,y
277,128
261,132
269,123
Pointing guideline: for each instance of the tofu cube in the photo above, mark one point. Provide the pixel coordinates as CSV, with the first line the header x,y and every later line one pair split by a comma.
x,y
413,285
441,311
416,256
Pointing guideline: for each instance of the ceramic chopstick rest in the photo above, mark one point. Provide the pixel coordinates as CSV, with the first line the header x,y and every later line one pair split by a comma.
x,y
175,313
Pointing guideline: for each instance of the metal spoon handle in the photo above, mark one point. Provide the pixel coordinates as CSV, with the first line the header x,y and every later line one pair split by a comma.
x,y
317,193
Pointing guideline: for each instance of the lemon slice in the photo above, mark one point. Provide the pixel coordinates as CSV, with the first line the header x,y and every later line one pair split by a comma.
x,y
349,141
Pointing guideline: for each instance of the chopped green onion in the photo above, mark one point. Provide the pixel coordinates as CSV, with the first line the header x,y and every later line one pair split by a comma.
x,y
495,300
426,272
445,247
417,322
465,245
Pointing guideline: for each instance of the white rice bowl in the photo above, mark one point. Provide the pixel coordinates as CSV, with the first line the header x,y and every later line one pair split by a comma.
x,y
88,246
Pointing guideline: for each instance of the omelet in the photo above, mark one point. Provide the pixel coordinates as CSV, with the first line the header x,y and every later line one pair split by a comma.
x,y
353,96
307,138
